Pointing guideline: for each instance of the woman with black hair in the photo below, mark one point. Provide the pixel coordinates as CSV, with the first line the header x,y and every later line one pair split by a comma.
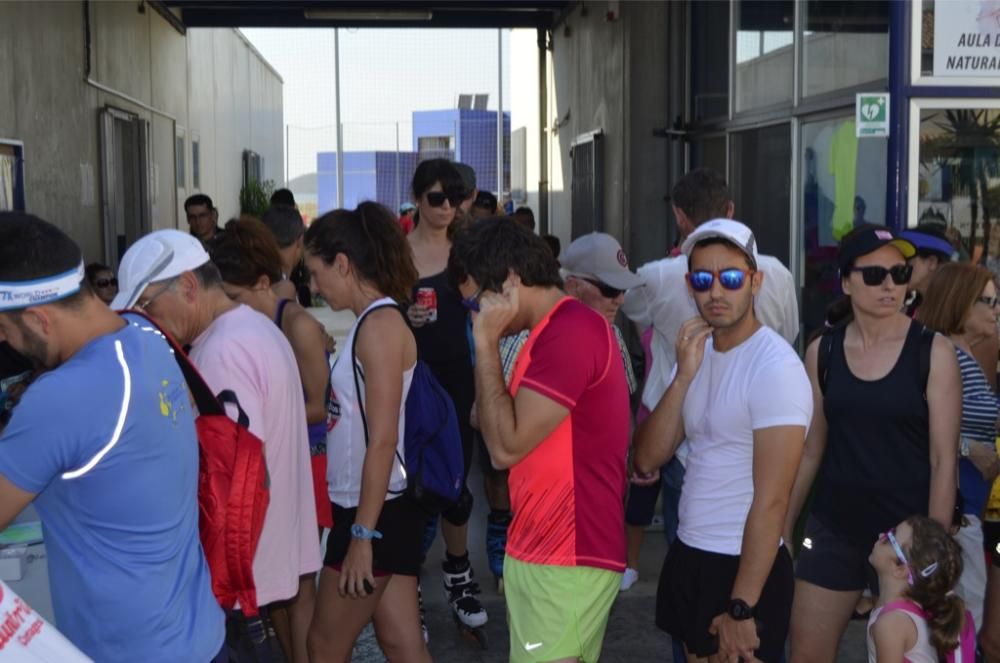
x,y
443,342
883,439
358,260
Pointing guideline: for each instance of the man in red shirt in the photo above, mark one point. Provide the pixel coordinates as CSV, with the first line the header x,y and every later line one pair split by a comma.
x,y
562,428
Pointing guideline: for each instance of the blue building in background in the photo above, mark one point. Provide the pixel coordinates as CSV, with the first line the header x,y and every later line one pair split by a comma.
x,y
469,136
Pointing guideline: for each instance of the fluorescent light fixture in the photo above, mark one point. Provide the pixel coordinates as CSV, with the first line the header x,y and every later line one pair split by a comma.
x,y
368,15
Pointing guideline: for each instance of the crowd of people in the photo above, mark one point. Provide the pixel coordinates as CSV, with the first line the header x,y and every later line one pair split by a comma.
x,y
798,492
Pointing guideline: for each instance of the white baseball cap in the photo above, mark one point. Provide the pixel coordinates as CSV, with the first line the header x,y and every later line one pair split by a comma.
x,y
158,256
732,231
599,256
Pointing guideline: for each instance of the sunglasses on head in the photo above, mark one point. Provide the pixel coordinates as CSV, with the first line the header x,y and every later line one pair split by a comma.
x,y
104,283
437,198
875,275
732,278
605,289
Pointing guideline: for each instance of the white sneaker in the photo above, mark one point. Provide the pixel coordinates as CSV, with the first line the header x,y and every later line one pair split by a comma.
x,y
630,577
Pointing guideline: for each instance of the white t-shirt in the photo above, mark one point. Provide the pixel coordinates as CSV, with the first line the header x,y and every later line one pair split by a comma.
x,y
345,439
245,351
761,383
665,303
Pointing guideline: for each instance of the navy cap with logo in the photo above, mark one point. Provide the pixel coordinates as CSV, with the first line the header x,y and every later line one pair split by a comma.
x,y
867,239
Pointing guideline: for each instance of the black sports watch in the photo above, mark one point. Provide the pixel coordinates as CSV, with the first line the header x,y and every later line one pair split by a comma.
x,y
740,610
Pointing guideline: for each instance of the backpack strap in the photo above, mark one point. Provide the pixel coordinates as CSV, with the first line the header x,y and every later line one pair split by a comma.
x,y
204,399
247,475
823,358
357,372
926,348
905,605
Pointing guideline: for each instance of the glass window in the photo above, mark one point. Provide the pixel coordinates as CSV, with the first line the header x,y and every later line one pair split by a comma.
x,y
843,184
959,178
709,153
761,166
196,164
179,161
709,61
764,52
845,44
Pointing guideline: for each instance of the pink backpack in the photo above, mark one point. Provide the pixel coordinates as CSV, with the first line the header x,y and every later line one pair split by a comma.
x,y
966,650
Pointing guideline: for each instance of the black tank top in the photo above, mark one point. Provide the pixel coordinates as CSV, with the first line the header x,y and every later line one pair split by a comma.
x,y
444,343
876,467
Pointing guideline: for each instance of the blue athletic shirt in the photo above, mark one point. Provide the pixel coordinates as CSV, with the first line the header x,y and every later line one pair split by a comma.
x,y
107,443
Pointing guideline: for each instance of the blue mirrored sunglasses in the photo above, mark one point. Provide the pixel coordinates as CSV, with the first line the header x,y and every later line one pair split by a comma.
x,y
732,278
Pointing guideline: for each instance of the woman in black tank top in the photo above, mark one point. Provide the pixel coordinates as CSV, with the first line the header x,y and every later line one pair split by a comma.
x,y
883,441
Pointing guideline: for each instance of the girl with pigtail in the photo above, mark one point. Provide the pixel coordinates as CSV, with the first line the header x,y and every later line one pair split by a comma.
x,y
919,619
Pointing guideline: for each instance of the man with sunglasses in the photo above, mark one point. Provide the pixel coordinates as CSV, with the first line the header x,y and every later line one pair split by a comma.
x,y
740,397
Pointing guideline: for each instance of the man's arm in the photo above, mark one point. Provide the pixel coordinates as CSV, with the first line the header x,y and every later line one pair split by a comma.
x,y
511,428
944,405
13,500
659,435
776,455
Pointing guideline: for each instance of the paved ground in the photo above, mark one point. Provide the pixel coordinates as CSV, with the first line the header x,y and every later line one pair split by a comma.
x,y
631,637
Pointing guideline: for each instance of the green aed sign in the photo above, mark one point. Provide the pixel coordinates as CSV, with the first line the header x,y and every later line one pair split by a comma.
x,y
871,114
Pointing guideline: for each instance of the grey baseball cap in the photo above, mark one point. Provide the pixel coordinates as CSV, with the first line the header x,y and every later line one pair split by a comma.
x,y
599,256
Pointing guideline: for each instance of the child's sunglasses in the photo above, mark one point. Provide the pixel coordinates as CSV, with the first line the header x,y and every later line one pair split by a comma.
x,y
731,279
874,276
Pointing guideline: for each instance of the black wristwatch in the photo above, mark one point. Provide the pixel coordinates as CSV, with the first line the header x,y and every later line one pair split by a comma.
x,y
740,610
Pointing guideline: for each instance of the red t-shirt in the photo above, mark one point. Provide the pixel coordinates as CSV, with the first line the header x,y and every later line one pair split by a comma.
x,y
567,495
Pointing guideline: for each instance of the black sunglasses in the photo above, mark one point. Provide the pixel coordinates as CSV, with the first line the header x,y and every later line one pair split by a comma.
x,y
437,198
873,276
104,283
606,290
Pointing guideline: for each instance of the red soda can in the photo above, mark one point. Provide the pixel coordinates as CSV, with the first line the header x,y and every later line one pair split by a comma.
x,y
428,298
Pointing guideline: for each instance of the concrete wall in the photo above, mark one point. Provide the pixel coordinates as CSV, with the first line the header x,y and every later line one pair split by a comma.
x,y
611,75
234,103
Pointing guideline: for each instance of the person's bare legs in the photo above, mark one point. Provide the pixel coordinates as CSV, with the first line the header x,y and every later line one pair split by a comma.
x,y
338,620
819,619
456,538
278,611
300,613
633,539
397,622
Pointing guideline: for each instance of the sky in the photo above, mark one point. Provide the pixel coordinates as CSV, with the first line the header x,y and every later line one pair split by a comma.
x,y
385,74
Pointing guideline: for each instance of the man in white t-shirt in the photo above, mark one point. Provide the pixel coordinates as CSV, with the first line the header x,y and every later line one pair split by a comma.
x,y
740,396
168,275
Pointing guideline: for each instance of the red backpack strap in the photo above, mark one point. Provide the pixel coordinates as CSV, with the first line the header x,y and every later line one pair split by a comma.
x,y
247,476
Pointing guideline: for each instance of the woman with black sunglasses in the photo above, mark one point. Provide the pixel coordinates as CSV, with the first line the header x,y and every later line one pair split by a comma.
x,y
440,325
102,281
883,439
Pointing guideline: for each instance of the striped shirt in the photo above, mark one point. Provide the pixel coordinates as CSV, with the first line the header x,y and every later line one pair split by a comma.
x,y
979,404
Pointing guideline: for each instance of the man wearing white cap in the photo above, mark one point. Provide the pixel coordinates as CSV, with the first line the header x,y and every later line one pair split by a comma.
x,y
740,397
104,444
168,275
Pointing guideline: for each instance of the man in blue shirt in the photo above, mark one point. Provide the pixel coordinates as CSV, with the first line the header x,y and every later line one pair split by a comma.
x,y
104,444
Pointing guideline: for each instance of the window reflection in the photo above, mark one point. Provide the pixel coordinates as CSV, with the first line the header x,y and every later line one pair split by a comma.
x,y
764,59
959,178
843,185
845,44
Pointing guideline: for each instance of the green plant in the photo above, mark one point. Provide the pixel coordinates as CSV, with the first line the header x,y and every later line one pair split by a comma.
x,y
255,197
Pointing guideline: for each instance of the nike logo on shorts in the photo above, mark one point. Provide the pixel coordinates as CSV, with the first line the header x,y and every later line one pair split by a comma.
x,y
532,646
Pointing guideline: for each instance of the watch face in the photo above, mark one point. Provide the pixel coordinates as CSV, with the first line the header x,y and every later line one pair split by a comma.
x,y
739,610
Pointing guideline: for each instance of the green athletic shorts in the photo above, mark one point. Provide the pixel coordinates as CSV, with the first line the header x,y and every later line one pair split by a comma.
x,y
557,612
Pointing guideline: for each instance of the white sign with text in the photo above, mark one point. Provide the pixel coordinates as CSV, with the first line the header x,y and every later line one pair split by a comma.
x,y
967,38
